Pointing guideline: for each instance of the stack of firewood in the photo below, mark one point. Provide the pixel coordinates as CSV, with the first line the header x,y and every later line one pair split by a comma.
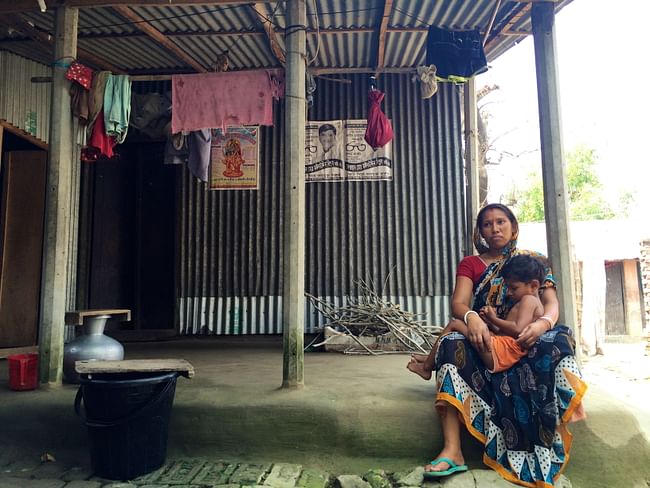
x,y
370,315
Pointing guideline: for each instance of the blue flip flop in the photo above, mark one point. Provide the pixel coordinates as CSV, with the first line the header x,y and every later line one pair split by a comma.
x,y
453,468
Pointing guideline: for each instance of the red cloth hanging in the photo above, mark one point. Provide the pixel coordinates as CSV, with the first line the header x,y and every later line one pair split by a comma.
x,y
102,142
379,131
81,74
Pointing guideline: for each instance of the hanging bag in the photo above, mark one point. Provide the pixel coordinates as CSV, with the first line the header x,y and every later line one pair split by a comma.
x,y
379,131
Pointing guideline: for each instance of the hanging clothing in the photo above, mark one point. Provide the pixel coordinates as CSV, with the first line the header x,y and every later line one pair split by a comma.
x,y
456,54
96,96
379,131
100,140
176,150
151,114
193,148
117,106
198,160
79,102
215,100
81,74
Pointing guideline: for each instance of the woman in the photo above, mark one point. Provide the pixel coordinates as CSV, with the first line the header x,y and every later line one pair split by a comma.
x,y
519,415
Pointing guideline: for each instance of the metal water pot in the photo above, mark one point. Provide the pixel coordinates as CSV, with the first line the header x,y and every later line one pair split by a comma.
x,y
92,345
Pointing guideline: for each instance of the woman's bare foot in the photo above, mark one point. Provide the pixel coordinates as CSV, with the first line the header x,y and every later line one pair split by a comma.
x,y
419,369
455,456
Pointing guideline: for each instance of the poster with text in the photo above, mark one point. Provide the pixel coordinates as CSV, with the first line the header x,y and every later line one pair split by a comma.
x,y
336,150
234,158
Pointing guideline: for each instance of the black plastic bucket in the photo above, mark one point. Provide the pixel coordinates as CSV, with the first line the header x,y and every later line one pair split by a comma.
x,y
127,415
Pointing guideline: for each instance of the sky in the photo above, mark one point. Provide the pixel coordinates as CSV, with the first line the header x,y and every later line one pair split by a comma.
x,y
603,72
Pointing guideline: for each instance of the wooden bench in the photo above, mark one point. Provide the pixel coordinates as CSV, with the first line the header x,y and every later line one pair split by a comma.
x,y
181,366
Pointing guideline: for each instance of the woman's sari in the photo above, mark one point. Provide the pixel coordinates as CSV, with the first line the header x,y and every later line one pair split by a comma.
x,y
519,415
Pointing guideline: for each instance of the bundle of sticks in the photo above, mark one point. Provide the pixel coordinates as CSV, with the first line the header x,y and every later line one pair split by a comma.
x,y
371,315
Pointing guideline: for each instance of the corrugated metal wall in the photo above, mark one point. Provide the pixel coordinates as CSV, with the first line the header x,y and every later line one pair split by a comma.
x,y
24,104
231,241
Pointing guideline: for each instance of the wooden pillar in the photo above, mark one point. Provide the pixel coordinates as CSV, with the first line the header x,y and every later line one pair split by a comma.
x,y
57,204
471,160
293,296
556,198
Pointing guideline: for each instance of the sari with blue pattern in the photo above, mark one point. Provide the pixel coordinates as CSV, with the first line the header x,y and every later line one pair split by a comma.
x,y
519,415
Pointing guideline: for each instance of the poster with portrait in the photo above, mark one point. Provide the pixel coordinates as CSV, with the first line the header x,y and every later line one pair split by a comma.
x,y
234,158
336,150
324,142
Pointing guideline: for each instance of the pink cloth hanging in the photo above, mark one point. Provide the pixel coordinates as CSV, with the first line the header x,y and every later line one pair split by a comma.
x,y
379,131
215,100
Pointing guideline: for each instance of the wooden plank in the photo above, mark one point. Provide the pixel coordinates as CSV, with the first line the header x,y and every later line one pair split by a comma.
x,y
32,5
18,23
142,24
4,125
381,36
76,317
270,33
10,351
183,367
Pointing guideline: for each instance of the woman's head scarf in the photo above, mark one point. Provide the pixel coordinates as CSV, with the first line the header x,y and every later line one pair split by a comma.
x,y
491,289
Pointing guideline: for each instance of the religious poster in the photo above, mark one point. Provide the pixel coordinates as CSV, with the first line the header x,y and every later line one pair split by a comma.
x,y
335,150
234,158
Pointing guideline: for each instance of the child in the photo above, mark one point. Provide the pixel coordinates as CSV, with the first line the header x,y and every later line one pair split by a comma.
x,y
523,274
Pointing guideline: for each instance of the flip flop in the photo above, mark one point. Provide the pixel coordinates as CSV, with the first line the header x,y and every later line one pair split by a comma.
x,y
453,468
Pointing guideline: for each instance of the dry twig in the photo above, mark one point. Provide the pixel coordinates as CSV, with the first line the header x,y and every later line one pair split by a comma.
x,y
369,315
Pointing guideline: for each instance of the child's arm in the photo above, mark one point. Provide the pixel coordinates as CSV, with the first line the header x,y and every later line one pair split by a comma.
x,y
526,313
485,313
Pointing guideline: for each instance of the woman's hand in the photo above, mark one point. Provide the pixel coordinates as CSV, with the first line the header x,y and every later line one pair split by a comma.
x,y
531,333
478,333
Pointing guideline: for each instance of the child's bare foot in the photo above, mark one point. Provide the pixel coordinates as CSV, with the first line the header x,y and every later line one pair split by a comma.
x,y
419,369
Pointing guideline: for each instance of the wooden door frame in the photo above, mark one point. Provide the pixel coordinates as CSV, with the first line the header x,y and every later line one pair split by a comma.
x,y
6,126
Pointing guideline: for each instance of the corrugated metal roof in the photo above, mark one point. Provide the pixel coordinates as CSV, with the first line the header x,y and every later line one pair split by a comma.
x,y
203,31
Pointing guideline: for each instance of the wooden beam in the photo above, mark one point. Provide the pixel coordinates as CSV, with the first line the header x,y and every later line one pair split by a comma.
x,y
19,23
381,35
10,351
293,292
270,33
4,125
16,6
58,202
158,36
556,195
507,26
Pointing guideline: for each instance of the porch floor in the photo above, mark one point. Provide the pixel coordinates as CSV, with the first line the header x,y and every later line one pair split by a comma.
x,y
355,413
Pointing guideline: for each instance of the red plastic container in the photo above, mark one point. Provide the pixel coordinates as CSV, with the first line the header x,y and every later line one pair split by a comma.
x,y
23,371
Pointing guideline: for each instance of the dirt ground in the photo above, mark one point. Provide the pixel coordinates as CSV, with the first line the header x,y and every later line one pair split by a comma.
x,y
624,368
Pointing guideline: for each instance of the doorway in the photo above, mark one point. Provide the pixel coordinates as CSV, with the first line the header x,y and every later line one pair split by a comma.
x,y
22,213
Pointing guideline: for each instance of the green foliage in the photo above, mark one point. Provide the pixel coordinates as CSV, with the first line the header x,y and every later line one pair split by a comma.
x,y
586,201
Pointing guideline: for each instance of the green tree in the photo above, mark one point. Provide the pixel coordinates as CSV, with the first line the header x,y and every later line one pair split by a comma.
x,y
586,201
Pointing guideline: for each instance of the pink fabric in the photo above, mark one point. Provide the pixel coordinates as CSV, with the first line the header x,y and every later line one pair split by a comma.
x,y
215,100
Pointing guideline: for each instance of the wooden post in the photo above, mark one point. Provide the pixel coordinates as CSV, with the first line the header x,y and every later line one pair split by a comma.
x,y
471,160
556,198
293,297
57,204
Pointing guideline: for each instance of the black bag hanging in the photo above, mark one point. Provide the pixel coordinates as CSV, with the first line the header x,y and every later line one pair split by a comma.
x,y
456,53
